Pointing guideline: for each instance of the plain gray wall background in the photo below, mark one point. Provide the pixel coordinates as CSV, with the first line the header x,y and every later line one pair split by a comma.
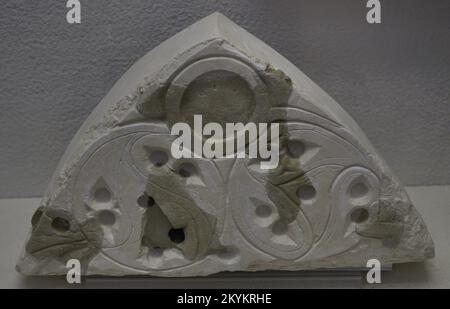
x,y
393,78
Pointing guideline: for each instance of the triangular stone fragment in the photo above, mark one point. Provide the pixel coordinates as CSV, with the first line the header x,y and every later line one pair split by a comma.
x,y
123,205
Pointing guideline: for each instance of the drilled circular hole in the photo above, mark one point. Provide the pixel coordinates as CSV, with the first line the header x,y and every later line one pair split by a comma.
x,y
359,215
60,224
358,190
150,201
279,228
158,158
146,201
176,235
263,211
306,192
106,217
102,195
295,149
186,170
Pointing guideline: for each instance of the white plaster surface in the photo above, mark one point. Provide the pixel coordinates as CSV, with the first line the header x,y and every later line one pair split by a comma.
x,y
432,202
392,78
332,204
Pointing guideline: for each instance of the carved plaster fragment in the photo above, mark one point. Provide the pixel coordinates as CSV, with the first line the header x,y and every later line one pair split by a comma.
x,y
123,205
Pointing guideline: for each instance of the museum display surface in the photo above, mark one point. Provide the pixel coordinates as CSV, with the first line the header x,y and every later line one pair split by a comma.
x,y
122,204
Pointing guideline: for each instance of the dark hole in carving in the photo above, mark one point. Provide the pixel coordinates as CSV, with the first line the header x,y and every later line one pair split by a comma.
x,y
146,201
186,170
359,215
150,201
295,149
102,195
60,224
106,217
176,235
263,211
306,192
158,158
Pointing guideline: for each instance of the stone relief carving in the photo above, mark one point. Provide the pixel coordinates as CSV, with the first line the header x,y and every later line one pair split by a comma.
x,y
122,205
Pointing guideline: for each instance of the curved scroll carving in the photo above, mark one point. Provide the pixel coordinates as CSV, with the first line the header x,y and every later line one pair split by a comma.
x,y
124,205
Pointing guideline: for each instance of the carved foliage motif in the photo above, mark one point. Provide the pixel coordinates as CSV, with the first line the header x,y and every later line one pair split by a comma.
x,y
156,214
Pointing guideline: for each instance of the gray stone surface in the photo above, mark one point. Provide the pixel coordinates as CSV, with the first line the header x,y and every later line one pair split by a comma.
x,y
392,78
